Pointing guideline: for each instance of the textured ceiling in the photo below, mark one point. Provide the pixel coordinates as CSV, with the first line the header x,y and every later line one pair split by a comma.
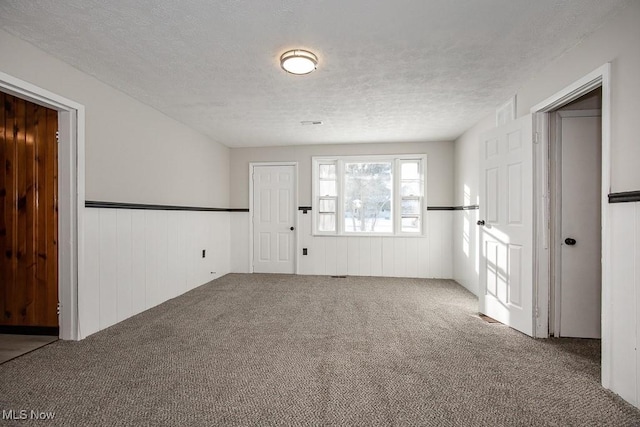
x,y
388,70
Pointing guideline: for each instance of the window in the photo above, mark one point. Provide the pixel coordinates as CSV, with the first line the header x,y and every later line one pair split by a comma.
x,y
373,195
328,199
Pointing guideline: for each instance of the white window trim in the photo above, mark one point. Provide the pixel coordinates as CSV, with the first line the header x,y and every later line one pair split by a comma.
x,y
395,160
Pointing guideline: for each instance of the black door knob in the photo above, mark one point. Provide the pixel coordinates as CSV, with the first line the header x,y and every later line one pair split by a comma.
x,y
480,222
292,229
569,241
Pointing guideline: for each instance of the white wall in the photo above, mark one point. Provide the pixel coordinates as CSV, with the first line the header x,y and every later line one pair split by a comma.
x,y
625,323
137,259
465,231
133,152
439,166
616,42
464,257
429,256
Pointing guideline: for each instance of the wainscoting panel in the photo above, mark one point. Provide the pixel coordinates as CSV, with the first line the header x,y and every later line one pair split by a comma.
x,y
636,287
429,256
137,259
465,249
340,254
331,262
625,281
240,242
89,292
124,254
108,265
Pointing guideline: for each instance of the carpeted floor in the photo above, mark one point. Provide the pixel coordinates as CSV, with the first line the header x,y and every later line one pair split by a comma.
x,y
300,350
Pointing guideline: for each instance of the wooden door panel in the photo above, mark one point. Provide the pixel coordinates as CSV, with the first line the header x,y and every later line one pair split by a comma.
x,y
28,221
9,161
23,292
6,213
51,198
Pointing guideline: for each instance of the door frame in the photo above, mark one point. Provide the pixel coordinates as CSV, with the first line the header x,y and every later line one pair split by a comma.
x,y
555,215
252,165
71,195
600,77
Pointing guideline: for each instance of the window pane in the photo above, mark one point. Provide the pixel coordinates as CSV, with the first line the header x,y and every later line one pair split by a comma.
x,y
410,207
326,222
327,205
327,188
411,224
327,171
410,170
367,198
411,188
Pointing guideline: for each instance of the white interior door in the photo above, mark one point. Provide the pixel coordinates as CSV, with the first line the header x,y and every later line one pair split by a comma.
x,y
579,284
506,237
273,219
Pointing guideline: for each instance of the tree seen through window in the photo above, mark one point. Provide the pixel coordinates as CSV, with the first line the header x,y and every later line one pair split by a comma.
x,y
367,198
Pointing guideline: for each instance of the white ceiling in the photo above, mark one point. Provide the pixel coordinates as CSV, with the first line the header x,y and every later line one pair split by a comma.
x,y
388,71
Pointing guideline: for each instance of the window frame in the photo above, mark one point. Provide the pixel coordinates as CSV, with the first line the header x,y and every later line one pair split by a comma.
x,y
317,197
396,161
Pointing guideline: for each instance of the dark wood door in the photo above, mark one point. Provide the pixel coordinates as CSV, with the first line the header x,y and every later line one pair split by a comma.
x,y
28,213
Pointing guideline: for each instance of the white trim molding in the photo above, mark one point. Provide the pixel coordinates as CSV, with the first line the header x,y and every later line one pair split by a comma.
x,y
601,77
396,161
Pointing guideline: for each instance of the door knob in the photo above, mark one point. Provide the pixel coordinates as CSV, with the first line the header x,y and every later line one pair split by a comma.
x,y
569,241
480,222
292,228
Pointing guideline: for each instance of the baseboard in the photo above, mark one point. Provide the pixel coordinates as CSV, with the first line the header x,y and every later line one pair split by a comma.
x,y
30,330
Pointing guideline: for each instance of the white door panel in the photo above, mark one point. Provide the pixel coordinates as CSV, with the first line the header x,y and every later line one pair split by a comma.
x,y
273,219
506,206
580,264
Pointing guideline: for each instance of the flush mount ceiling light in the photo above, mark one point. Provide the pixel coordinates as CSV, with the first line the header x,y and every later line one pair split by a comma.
x,y
298,61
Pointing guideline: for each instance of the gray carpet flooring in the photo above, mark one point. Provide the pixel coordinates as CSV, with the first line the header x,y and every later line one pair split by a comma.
x,y
296,350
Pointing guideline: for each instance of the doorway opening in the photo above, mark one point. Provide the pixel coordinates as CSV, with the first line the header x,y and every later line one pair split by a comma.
x,y
573,215
273,223
29,217
71,136
575,172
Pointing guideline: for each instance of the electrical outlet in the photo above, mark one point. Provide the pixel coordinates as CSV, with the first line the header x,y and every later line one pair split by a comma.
x,y
304,251
204,252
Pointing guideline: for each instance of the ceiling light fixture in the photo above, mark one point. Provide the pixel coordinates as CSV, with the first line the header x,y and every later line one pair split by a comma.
x,y
298,61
